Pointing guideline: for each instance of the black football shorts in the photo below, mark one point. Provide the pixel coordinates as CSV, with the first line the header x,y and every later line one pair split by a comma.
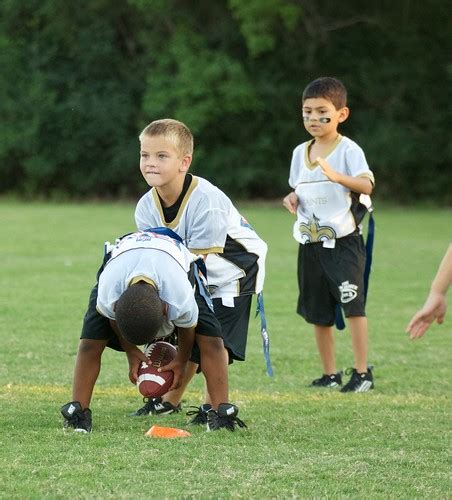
x,y
327,276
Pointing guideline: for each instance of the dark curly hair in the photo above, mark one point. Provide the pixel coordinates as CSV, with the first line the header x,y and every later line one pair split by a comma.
x,y
139,313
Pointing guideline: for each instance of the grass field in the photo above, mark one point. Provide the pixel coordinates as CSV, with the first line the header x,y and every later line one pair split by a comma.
x,y
392,442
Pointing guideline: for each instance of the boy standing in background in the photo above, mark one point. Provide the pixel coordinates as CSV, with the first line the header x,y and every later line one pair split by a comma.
x,y
332,183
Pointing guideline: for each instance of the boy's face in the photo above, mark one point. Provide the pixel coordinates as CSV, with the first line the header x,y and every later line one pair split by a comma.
x,y
321,118
160,162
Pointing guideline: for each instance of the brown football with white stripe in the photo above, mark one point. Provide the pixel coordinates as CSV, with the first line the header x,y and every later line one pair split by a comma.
x,y
150,382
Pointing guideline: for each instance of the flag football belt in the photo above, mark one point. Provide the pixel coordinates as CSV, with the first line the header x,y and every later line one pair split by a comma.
x,y
340,324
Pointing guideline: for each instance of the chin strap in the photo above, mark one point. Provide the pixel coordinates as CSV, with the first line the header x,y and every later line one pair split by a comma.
x,y
264,334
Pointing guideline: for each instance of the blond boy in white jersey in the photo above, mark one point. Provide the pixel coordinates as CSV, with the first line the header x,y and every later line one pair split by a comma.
x,y
332,183
209,224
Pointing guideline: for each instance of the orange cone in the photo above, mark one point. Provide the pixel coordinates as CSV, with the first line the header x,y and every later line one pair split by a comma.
x,y
157,431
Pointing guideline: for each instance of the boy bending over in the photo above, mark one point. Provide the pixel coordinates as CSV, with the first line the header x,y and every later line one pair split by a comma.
x,y
145,289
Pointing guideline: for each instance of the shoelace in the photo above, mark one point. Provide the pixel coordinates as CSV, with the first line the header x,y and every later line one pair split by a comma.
x,y
230,421
239,422
351,370
199,410
195,411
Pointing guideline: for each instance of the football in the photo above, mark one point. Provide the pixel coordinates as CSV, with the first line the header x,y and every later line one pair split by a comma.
x,y
150,382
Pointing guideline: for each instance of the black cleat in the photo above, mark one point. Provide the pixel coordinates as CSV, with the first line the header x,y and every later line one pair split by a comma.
x,y
76,418
199,414
359,382
155,406
224,418
333,380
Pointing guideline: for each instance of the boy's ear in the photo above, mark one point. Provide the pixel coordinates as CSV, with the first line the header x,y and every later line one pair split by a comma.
x,y
343,114
186,162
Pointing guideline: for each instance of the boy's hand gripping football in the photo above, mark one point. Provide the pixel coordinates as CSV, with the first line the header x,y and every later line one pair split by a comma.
x,y
178,366
134,356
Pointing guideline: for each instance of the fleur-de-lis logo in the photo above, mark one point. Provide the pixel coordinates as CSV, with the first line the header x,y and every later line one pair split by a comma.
x,y
314,232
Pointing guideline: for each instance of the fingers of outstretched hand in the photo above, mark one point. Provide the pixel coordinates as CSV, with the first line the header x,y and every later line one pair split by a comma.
x,y
418,330
420,323
439,320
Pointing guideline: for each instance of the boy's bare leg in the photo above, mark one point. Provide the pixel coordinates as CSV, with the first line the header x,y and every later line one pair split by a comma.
x,y
324,336
174,397
207,398
358,329
87,368
215,369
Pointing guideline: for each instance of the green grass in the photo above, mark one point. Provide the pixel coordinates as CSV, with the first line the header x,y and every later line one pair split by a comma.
x,y
393,442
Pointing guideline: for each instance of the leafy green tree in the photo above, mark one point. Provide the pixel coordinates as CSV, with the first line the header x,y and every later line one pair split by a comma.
x,y
79,81
74,97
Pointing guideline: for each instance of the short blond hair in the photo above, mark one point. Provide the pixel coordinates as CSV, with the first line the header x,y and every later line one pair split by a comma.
x,y
176,132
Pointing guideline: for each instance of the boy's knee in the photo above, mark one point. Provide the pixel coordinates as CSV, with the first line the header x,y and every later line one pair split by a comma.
x,y
91,348
209,344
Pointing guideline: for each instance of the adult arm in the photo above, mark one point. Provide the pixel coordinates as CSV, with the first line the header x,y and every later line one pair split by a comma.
x,y
436,303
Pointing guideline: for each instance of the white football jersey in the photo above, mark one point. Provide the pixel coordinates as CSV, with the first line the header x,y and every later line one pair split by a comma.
x,y
327,210
157,259
209,224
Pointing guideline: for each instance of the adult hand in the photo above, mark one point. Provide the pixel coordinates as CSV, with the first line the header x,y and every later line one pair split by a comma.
x,y
434,309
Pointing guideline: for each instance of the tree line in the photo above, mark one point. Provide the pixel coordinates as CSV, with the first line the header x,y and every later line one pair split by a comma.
x,y
79,80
